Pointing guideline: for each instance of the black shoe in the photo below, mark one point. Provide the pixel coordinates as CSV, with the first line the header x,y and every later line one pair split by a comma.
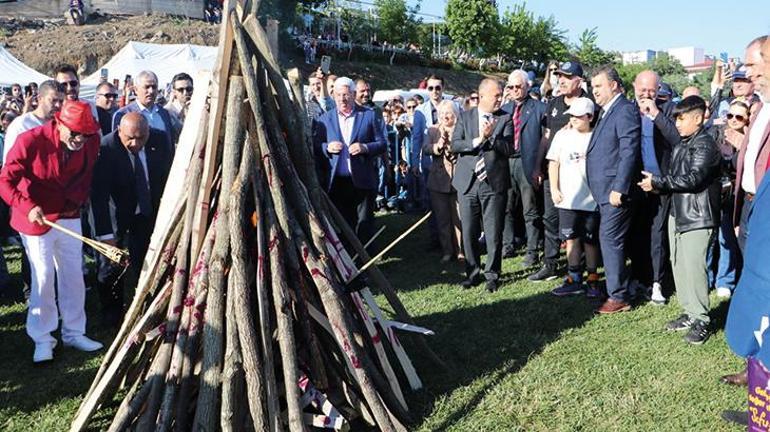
x,y
471,282
530,260
546,273
737,417
682,323
509,253
699,333
491,286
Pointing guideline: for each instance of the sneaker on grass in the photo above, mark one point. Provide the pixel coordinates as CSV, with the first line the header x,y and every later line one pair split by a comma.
x,y
682,323
568,288
699,332
593,290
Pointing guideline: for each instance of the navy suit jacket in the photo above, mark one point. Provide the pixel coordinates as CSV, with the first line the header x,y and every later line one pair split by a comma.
x,y
366,130
113,192
172,133
614,153
532,113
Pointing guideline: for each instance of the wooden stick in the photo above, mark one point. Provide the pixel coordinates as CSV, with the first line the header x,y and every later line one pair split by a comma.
x,y
116,255
233,381
391,245
371,240
207,416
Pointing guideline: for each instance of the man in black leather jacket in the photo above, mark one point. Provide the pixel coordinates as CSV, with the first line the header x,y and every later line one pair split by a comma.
x,y
693,181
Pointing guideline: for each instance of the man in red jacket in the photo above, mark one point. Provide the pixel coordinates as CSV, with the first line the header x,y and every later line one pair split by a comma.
x,y
47,176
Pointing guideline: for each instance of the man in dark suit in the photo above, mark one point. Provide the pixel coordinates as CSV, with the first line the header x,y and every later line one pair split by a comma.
x,y
612,165
649,244
146,87
129,178
526,114
483,139
348,141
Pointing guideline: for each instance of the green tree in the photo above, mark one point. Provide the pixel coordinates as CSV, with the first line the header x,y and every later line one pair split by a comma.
x,y
588,52
473,26
398,24
664,64
529,39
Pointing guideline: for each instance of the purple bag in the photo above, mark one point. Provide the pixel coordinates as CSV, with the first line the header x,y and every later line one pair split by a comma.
x,y
759,396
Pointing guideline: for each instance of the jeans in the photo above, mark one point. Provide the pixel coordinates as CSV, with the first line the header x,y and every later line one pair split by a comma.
x,y
724,257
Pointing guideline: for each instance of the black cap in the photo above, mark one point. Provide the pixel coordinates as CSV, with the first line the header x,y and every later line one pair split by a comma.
x,y
664,89
570,68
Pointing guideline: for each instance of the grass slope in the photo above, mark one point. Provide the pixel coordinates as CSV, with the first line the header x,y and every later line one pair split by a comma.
x,y
520,359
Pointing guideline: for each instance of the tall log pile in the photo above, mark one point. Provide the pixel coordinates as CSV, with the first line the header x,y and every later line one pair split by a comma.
x,y
251,314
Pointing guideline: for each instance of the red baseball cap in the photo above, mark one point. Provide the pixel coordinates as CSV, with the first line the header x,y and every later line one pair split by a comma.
x,y
77,116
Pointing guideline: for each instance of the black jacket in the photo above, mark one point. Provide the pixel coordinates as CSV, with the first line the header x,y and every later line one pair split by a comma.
x,y
495,150
113,195
693,181
532,112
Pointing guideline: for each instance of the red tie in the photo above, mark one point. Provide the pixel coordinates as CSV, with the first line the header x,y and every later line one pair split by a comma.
x,y
517,128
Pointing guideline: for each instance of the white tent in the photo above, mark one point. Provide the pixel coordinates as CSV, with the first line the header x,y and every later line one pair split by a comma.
x,y
14,71
166,60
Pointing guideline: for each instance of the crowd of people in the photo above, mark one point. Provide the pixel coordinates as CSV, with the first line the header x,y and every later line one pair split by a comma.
x,y
658,190
94,167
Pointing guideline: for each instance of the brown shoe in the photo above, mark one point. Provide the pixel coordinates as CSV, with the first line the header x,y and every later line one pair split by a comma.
x,y
611,306
739,379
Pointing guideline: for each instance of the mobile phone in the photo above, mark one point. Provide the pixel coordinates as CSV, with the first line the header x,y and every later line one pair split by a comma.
x,y
27,90
103,74
326,62
116,82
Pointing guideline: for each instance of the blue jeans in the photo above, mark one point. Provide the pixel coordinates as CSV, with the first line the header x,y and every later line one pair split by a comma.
x,y
724,269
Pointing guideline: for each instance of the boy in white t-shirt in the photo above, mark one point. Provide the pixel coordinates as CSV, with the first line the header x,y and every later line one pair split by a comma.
x,y
578,212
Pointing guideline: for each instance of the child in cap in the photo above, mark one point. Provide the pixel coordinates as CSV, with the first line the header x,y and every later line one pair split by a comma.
x,y
578,212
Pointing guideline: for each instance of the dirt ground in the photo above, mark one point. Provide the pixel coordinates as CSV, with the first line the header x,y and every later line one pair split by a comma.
x,y
44,44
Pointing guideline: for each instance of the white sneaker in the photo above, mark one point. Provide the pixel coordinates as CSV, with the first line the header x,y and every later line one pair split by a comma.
x,y
657,295
83,343
724,292
43,352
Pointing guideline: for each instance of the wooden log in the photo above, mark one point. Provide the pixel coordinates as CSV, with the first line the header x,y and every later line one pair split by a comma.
x,y
265,319
130,407
233,381
272,251
242,272
207,415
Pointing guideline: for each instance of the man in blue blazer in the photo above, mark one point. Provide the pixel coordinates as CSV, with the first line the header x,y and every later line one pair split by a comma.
x,y
146,87
526,115
612,165
348,140
482,140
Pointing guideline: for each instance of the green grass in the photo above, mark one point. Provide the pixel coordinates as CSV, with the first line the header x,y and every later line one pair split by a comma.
x,y
520,359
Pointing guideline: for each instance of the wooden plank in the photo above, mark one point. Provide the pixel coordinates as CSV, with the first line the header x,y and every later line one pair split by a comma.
x,y
217,106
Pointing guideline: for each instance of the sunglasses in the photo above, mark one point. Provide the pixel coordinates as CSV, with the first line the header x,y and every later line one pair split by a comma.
x,y
108,95
74,134
436,88
474,98
411,106
738,117
184,89
73,83
512,86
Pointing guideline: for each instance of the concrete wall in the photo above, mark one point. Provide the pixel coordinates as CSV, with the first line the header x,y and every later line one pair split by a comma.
x,y
56,8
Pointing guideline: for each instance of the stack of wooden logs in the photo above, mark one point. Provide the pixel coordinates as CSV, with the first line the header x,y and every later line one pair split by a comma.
x,y
249,313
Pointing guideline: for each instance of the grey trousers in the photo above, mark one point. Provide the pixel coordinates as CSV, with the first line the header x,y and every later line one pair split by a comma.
x,y
688,262
523,189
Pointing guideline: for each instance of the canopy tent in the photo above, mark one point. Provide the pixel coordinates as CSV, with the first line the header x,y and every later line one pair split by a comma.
x,y
13,71
166,60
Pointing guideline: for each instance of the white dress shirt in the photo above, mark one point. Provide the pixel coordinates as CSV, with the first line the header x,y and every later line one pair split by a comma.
x,y
748,181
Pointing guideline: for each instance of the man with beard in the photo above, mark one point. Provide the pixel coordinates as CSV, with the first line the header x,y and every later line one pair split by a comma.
x,y
146,87
182,91
106,105
67,76
50,98
317,103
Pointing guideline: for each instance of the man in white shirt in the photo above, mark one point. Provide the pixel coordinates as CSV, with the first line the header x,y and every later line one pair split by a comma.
x,y
50,98
146,88
67,76
755,151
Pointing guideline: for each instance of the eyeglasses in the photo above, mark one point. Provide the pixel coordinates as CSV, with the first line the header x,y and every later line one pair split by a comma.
x,y
474,98
74,134
514,86
73,83
108,95
738,117
184,89
436,88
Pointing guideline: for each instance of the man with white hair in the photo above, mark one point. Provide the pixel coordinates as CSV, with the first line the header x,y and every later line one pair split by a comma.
x,y
146,88
526,114
348,140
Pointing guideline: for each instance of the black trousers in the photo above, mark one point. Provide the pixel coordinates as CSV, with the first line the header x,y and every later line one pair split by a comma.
x,y
111,281
649,238
482,206
356,206
552,243
522,191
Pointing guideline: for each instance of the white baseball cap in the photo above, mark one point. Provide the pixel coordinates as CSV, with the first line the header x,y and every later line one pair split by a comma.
x,y
580,107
